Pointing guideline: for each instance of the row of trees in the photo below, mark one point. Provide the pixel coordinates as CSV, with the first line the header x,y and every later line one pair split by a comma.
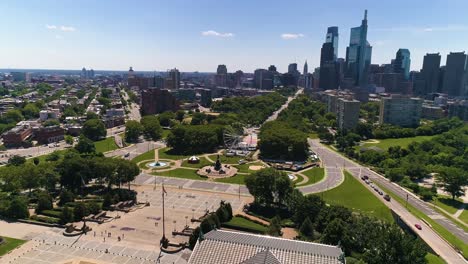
x,y
194,139
278,140
364,238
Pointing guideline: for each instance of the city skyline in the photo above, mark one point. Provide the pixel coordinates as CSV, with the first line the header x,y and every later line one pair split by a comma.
x,y
199,36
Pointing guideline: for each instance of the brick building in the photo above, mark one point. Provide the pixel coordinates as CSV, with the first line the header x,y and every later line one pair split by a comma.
x,y
46,135
155,101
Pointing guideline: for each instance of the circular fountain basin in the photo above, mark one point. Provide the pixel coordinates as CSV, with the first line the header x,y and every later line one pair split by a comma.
x,y
157,164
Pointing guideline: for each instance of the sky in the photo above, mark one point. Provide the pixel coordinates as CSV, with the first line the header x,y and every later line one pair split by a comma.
x,y
198,35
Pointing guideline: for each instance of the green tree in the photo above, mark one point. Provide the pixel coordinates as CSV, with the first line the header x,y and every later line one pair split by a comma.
x,y
269,186
307,229
18,208
91,115
274,229
453,180
336,233
126,172
30,177
30,111
166,118
94,129
85,145
179,115
80,210
151,127
51,122
36,161
133,130
44,202
13,116
69,140
16,160
67,215
66,196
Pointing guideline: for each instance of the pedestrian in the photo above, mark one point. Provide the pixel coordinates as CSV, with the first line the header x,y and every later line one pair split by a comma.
x,y
123,236
104,239
94,233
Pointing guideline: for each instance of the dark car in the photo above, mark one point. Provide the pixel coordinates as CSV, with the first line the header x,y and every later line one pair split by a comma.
x,y
127,155
418,226
387,197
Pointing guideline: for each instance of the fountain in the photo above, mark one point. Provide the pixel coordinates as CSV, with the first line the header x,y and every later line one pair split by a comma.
x,y
217,170
157,163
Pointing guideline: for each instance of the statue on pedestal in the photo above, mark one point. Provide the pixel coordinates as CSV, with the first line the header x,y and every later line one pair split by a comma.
x,y
217,165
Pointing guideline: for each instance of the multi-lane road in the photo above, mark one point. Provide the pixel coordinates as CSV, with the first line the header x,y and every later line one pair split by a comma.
x,y
333,162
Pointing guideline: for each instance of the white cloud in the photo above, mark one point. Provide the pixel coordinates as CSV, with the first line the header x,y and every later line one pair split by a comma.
x,y
65,28
291,36
61,28
212,33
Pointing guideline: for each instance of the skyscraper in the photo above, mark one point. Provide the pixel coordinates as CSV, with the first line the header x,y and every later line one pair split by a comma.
x,y
332,37
358,54
306,68
454,77
430,74
402,63
222,69
292,68
221,77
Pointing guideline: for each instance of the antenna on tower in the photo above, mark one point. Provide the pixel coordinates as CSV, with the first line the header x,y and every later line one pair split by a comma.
x,y
365,14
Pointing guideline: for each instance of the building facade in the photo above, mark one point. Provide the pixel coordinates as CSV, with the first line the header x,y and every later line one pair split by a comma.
x,y
400,111
454,76
347,113
155,101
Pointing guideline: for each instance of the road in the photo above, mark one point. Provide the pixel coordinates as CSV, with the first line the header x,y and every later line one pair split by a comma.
x,y
133,108
276,113
135,149
332,159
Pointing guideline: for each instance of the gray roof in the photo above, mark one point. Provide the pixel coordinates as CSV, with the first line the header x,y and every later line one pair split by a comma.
x,y
220,246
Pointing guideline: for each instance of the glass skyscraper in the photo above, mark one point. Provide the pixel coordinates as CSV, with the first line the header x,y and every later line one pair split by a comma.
x,y
402,62
332,37
358,54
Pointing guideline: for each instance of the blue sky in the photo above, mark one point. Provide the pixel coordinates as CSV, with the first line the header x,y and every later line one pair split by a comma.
x,y
200,34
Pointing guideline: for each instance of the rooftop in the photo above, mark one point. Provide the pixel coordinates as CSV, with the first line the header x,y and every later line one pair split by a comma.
x,y
220,246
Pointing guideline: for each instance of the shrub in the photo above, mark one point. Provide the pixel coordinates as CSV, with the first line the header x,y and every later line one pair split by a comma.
x,y
66,196
67,215
80,210
18,208
44,202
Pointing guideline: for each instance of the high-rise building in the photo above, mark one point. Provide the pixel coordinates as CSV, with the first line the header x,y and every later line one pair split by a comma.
x,y
221,77
402,63
155,101
222,69
272,68
83,73
347,113
400,110
332,37
306,68
263,79
173,80
20,76
358,54
454,77
429,79
292,68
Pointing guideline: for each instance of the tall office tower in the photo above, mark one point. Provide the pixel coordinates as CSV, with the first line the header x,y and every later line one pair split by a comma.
x,y
402,63
222,69
263,79
83,73
358,54
306,68
400,110
173,80
332,37
272,68
430,75
221,77
328,68
454,77
131,73
292,68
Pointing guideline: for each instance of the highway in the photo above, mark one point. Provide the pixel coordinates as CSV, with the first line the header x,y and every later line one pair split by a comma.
x,y
332,161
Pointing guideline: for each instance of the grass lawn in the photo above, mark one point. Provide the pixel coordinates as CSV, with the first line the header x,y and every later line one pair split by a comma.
x,y
447,203
244,168
180,173
203,162
105,145
354,195
243,223
10,244
165,133
313,135
42,158
238,179
165,153
451,238
313,175
433,259
402,142
226,160
464,216
145,156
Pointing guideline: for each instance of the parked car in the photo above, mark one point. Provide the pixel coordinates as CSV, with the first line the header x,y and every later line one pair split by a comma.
x,y
127,155
387,197
418,226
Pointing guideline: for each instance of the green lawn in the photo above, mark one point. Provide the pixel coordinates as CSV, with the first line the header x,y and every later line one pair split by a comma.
x,y
165,133
203,162
180,173
448,204
451,238
237,179
149,155
464,216
10,244
165,153
42,158
402,142
243,223
244,168
433,259
354,195
313,135
313,175
105,145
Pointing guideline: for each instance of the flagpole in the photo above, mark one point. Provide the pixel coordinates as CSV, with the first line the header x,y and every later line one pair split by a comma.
x,y
164,228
